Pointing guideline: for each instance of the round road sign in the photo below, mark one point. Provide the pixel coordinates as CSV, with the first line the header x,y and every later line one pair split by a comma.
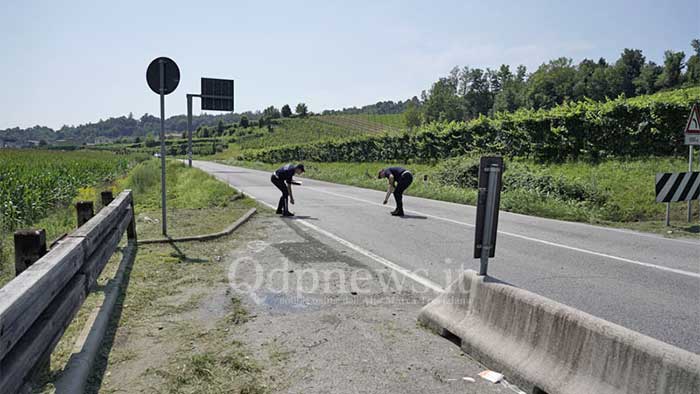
x,y
172,75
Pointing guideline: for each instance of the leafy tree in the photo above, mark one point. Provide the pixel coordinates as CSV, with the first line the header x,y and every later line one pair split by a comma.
x,y
203,132
244,121
673,65
442,103
552,83
271,113
286,111
513,87
478,99
627,69
692,74
301,109
413,116
150,141
220,128
646,82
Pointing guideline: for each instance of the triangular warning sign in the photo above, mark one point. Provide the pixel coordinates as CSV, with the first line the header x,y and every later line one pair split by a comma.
x,y
693,126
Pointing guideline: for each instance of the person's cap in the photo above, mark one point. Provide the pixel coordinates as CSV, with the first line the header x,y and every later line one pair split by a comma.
x,y
301,167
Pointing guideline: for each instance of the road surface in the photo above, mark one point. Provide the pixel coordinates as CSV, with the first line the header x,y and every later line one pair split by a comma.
x,y
641,281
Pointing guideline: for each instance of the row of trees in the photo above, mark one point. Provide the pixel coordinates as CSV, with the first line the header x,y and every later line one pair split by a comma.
x,y
468,92
272,112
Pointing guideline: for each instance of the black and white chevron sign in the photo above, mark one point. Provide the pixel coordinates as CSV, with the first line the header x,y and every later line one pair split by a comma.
x,y
677,186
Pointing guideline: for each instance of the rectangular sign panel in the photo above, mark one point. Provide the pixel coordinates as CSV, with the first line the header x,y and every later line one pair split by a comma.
x,y
217,94
486,163
692,139
678,186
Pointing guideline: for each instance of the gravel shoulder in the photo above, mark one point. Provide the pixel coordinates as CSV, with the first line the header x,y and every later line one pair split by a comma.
x,y
325,319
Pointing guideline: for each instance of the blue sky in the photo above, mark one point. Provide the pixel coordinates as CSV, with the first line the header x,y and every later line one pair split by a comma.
x,y
73,62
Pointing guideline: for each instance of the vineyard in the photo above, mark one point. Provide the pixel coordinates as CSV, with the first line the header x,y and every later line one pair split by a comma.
x,y
587,130
317,128
34,182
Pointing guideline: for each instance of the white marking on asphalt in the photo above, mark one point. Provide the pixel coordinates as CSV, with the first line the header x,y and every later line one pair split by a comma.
x,y
563,222
586,251
379,259
592,252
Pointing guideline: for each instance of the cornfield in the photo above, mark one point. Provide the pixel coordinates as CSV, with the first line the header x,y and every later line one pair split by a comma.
x,y
32,182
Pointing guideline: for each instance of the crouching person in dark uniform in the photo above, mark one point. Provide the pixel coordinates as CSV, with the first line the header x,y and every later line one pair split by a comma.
x,y
399,180
282,178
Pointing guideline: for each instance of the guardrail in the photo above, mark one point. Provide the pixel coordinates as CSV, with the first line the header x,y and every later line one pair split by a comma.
x,y
38,304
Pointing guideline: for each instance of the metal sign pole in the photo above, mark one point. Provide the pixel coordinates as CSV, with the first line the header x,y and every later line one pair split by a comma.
x,y
488,220
189,129
162,146
668,214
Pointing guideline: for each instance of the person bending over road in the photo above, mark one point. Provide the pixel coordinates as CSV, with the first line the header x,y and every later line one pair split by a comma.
x,y
399,180
283,179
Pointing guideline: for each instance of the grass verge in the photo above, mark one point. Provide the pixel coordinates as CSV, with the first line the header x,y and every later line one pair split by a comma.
x,y
174,321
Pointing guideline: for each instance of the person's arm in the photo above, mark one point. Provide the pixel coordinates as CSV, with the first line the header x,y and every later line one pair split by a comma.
x,y
390,189
289,188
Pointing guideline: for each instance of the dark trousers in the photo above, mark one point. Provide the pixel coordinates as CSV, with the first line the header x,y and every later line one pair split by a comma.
x,y
402,184
283,206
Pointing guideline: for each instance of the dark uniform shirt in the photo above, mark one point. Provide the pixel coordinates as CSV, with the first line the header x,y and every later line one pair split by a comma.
x,y
395,171
286,172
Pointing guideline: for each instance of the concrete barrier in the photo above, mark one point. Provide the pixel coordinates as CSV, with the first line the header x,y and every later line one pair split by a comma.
x,y
548,347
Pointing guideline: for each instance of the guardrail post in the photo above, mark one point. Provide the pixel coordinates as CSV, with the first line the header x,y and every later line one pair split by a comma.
x,y
107,197
30,246
131,228
85,210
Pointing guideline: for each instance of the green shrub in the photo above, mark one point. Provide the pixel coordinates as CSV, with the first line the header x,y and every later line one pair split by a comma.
x,y
588,130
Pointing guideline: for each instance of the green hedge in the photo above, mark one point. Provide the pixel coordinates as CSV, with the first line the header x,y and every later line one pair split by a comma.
x,y
642,126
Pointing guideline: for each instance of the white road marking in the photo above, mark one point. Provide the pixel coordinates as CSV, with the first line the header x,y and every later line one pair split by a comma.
x,y
379,259
591,226
592,252
400,269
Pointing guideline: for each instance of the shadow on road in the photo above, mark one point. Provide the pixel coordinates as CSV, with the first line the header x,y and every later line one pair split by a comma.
x,y
413,217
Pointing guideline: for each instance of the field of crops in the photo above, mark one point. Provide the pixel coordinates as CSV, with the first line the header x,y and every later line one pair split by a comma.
x,y
33,182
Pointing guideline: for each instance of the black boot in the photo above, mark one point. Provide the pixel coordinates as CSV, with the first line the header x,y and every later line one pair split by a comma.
x,y
397,213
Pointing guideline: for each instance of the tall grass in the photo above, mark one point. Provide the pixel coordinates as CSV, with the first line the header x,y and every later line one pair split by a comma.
x,y
186,187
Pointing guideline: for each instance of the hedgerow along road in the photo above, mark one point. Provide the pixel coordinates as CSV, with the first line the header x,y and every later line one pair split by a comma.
x,y
644,282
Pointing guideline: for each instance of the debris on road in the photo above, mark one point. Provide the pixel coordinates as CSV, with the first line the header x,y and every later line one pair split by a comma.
x,y
491,376
468,379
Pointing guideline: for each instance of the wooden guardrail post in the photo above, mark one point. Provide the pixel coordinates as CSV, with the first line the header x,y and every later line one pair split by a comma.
x,y
85,210
131,228
30,246
107,197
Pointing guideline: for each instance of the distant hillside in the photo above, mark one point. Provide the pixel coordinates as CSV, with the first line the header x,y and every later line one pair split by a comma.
x,y
109,129
380,108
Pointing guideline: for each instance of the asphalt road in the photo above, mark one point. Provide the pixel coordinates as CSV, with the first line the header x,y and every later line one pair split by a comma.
x,y
644,282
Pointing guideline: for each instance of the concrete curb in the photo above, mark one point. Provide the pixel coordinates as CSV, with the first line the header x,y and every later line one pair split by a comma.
x,y
205,237
75,376
548,347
